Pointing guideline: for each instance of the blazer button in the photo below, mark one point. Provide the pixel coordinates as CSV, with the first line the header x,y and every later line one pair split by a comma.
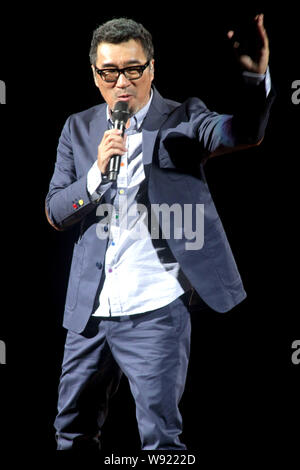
x,y
99,265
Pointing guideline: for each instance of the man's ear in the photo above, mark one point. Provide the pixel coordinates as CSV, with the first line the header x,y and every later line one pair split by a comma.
x,y
152,67
95,76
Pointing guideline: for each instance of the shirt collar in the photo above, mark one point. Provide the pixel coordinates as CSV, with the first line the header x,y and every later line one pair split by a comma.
x,y
137,119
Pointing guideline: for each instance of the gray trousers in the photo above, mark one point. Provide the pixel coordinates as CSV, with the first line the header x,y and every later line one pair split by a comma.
x,y
152,350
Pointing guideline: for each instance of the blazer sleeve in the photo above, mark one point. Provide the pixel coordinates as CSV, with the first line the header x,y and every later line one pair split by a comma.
x,y
246,127
192,123
68,200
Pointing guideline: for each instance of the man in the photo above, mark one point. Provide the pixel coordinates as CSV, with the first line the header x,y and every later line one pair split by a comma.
x,y
127,306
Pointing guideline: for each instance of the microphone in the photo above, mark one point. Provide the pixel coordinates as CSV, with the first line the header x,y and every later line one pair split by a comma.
x,y
120,116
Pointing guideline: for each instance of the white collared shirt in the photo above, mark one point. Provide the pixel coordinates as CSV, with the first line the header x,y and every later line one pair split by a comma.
x,y
139,276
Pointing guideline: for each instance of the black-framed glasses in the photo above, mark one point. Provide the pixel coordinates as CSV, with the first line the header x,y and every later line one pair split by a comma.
x,y
131,73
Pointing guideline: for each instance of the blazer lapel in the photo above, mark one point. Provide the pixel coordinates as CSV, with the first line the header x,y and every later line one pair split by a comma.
x,y
157,114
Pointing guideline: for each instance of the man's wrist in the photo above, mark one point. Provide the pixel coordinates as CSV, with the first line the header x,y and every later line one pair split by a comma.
x,y
252,78
97,183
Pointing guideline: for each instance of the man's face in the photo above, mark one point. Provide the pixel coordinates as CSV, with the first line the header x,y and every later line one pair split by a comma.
x,y
125,54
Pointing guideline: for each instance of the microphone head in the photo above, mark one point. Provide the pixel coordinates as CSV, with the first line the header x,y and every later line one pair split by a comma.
x,y
121,112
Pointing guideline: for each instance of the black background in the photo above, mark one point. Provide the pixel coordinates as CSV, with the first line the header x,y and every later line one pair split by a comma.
x,y
241,393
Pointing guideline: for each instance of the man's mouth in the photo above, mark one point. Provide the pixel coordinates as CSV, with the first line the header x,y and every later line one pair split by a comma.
x,y
124,97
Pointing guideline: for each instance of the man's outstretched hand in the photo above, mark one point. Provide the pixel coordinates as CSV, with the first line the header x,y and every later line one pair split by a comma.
x,y
259,60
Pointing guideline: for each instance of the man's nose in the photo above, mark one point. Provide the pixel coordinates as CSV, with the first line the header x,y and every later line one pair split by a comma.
x,y
122,81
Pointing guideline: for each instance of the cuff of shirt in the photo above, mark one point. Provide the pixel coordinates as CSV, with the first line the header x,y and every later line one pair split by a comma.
x,y
95,185
256,78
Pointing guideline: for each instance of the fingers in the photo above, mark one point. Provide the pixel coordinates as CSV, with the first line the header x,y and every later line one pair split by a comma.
x,y
230,35
259,20
111,144
253,51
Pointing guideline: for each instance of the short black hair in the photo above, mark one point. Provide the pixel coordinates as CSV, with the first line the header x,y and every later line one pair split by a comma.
x,y
121,30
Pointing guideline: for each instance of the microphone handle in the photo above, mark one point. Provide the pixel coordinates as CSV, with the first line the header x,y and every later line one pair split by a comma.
x,y
114,162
